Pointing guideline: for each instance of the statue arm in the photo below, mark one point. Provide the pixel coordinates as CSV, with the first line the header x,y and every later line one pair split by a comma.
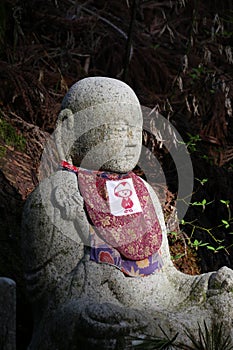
x,y
68,200
51,237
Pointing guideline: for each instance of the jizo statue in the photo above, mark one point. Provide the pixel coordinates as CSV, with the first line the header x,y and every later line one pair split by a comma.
x,y
97,261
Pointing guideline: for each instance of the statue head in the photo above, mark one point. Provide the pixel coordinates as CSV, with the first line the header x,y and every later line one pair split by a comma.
x,y
101,122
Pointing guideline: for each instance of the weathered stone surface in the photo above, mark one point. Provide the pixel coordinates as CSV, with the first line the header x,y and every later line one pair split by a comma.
x,y
7,314
79,303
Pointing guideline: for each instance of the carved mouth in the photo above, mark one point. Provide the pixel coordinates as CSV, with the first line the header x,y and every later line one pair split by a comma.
x,y
129,156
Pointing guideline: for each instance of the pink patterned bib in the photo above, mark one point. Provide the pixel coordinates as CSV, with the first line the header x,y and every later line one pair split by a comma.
x,y
121,211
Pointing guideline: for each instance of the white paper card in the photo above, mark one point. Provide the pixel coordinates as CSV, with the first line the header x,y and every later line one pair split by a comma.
x,y
123,199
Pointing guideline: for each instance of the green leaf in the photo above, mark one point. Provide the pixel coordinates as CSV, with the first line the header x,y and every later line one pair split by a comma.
x,y
226,223
211,248
227,202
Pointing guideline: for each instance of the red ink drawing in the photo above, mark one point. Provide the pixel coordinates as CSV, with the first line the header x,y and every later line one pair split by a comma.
x,y
124,191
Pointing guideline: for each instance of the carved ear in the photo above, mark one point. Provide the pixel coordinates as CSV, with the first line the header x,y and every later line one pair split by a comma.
x,y
66,120
66,114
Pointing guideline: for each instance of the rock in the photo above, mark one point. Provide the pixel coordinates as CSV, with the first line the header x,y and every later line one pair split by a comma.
x,y
7,314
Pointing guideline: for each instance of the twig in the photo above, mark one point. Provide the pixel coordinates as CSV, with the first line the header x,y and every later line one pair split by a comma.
x,y
128,54
129,47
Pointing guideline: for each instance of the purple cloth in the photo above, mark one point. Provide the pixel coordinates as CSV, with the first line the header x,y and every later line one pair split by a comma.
x,y
101,252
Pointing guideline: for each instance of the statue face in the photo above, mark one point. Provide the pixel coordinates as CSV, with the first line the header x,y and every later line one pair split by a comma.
x,y
107,114
110,147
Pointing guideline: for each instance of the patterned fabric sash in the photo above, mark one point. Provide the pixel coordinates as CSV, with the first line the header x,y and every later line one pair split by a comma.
x,y
103,253
131,240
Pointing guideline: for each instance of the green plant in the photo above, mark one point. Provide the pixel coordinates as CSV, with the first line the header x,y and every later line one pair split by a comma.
x,y
11,136
216,250
2,151
201,181
153,343
227,203
199,72
192,142
215,338
225,223
177,256
203,203
196,244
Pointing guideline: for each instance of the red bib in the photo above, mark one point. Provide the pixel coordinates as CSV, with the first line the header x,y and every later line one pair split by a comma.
x,y
122,212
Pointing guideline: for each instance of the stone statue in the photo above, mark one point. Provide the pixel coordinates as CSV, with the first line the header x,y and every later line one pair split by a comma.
x,y
93,275
7,313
